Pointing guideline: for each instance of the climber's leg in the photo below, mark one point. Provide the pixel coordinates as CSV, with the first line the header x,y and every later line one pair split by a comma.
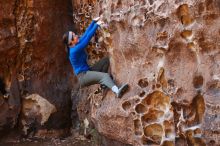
x,y
102,65
93,77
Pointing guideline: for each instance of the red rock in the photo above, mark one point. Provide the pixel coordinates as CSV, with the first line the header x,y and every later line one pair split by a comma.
x,y
32,51
181,64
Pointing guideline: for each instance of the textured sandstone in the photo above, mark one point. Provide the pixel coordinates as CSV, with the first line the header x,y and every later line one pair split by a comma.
x,y
33,60
9,105
168,52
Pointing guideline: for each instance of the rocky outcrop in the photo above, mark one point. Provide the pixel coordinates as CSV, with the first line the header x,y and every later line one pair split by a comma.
x,y
168,52
33,61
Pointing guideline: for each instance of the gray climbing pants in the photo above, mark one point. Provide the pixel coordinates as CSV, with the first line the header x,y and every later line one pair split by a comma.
x,y
97,75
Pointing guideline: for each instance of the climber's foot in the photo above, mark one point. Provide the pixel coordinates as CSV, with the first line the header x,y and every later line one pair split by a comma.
x,y
122,90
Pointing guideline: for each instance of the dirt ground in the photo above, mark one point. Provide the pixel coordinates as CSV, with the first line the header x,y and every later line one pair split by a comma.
x,y
69,141
75,139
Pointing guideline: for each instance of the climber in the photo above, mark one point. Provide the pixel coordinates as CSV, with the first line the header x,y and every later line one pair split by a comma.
x,y
76,53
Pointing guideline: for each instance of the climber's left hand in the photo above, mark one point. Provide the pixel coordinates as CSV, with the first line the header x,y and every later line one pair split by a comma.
x,y
96,19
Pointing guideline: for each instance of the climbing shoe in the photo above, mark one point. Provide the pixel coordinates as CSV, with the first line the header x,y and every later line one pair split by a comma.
x,y
122,90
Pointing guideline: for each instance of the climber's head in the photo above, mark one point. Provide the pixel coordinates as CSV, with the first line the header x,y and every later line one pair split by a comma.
x,y
70,38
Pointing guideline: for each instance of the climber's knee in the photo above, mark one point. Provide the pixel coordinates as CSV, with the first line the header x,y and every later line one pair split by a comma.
x,y
106,80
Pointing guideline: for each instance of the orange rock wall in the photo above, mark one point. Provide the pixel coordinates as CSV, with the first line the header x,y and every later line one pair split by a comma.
x,y
168,52
33,61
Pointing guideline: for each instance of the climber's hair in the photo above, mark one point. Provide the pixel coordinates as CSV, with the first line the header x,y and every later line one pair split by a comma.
x,y
65,41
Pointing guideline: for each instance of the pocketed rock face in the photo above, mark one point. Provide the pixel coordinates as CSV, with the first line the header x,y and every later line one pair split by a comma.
x,y
168,52
33,60
43,67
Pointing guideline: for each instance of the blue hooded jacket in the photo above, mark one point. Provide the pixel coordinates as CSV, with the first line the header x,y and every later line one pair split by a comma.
x,y
78,56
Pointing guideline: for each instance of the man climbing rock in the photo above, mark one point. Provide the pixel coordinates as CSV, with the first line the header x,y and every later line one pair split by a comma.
x,y
97,74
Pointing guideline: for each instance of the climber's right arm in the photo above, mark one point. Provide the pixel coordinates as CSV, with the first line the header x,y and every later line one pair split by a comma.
x,y
87,30
83,44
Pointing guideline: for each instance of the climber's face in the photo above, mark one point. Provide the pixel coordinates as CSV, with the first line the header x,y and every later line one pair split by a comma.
x,y
74,39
